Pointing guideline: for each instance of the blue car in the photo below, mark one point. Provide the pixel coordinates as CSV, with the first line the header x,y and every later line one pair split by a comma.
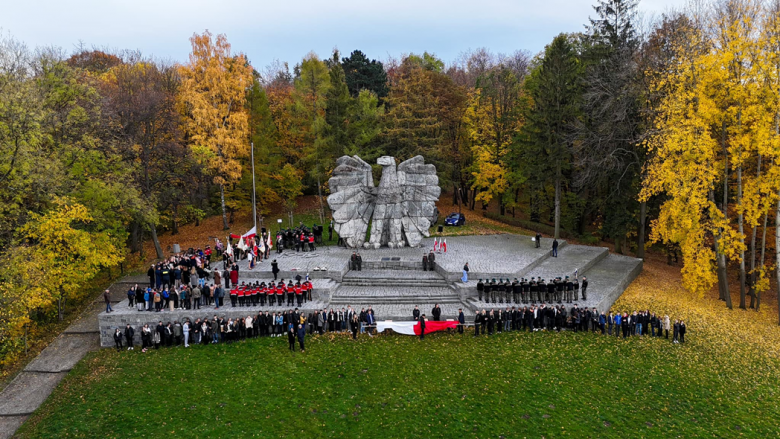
x,y
455,219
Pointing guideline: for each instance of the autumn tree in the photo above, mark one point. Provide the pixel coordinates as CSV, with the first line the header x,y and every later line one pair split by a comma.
x,y
609,152
213,92
311,85
553,89
362,73
495,117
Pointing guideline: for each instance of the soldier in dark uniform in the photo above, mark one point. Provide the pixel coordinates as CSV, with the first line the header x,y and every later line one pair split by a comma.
x,y
584,288
480,290
542,287
359,261
425,262
533,290
501,289
526,289
577,288
516,291
353,261
551,290
431,261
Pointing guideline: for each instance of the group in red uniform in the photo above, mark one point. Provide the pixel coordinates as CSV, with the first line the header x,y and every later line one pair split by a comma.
x,y
254,295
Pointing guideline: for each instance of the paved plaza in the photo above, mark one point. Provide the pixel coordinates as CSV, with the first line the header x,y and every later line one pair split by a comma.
x,y
392,281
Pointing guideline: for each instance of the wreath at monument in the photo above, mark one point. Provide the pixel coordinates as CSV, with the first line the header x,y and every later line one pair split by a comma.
x,y
400,210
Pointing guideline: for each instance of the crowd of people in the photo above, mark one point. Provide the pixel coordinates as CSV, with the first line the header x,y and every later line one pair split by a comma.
x,y
293,323
561,289
558,318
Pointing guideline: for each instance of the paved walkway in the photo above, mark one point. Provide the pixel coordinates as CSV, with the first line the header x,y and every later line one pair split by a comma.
x,y
35,383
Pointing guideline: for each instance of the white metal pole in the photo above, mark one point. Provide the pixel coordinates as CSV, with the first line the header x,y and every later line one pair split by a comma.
x,y
254,203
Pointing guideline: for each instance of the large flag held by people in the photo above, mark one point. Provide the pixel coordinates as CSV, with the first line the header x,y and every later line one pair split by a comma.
x,y
413,328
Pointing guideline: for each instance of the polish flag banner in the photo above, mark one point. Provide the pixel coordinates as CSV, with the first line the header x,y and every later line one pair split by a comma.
x,y
413,328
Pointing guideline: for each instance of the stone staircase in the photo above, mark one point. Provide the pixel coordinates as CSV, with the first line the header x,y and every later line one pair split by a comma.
x,y
394,290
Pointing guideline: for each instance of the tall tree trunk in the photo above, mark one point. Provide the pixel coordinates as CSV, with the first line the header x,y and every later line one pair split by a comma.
x,y
741,230
455,195
157,248
135,241
763,253
474,198
619,245
722,266
557,199
319,198
640,242
752,289
174,218
224,209
777,253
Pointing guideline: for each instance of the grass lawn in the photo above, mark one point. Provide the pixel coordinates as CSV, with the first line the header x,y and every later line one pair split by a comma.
x,y
721,383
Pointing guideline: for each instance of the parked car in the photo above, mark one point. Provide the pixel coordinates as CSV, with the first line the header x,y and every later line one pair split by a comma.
x,y
455,219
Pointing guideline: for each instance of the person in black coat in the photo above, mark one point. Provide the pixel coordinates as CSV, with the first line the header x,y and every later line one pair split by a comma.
x,y
275,268
118,339
422,327
436,312
683,329
129,334
416,313
461,320
477,323
491,322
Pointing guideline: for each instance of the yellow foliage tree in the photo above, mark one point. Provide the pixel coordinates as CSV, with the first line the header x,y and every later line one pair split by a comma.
x,y
214,85
53,262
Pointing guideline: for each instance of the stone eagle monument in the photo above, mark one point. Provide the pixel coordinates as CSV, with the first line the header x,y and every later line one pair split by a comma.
x,y
403,206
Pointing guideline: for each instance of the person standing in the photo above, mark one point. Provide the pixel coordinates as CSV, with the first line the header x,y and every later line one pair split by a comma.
x,y
291,335
676,334
465,277
275,268
461,320
416,313
477,323
354,324
118,339
436,312
422,327
107,298
683,330
431,261
584,288
129,334
538,239
666,326
186,332
359,261
480,289
302,333
131,296
555,248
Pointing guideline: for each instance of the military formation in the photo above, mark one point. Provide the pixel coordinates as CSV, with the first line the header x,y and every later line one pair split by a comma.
x,y
558,290
301,238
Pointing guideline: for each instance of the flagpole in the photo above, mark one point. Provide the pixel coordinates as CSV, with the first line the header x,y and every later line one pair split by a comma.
x,y
254,204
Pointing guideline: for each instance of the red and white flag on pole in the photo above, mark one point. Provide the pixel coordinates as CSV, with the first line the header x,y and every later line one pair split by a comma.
x,y
435,244
444,245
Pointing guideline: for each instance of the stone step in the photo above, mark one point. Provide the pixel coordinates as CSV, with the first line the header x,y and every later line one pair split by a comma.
x,y
395,282
609,278
400,312
570,259
393,265
393,275
347,294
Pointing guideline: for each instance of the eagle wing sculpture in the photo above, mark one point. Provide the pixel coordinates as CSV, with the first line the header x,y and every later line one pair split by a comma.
x,y
352,199
420,188
401,209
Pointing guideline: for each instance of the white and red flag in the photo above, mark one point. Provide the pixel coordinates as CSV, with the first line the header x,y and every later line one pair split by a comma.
x,y
413,328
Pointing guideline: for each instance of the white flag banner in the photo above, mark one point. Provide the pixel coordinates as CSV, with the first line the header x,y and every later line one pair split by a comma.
x,y
406,328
